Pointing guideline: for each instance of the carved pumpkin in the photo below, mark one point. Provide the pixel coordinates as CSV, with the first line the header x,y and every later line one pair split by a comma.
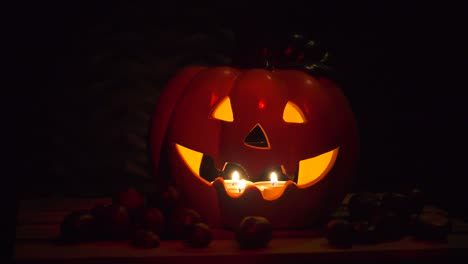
x,y
212,121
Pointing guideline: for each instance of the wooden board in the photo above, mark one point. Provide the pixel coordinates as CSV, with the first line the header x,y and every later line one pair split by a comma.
x,y
226,251
38,223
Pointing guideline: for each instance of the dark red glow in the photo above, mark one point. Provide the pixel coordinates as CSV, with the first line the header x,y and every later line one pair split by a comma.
x,y
288,51
300,57
261,104
213,99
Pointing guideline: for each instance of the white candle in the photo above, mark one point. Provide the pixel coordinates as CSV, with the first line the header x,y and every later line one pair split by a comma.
x,y
272,188
236,185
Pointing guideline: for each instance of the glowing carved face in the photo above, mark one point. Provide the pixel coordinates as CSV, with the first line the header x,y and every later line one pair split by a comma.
x,y
310,170
257,122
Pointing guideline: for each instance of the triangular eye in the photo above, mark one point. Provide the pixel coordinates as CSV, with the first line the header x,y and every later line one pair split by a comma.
x,y
223,110
293,114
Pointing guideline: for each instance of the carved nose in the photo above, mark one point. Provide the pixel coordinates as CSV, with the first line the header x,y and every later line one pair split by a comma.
x,y
257,138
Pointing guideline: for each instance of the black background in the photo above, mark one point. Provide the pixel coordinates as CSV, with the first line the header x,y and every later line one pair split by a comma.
x,y
402,64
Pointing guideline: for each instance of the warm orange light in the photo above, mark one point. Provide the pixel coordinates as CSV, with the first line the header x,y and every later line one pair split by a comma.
x,y
191,158
310,170
241,185
223,111
293,114
313,169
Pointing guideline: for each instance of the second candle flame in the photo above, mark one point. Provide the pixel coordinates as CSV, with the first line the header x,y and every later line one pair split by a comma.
x,y
273,178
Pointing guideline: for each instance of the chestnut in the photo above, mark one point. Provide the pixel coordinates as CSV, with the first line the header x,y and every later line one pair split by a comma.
x,y
145,239
432,224
339,233
180,220
391,225
198,235
254,232
365,232
364,206
130,198
151,219
113,221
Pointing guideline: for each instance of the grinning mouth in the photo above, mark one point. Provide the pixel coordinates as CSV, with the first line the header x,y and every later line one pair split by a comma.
x,y
309,171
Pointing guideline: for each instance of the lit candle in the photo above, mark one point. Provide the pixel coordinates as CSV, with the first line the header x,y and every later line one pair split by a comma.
x,y
235,178
241,185
236,185
273,179
272,188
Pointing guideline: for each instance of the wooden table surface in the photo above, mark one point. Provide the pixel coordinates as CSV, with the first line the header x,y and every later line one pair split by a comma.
x,y
38,226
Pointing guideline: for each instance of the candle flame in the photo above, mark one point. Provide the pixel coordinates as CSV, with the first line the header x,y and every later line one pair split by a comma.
x,y
241,185
273,178
235,177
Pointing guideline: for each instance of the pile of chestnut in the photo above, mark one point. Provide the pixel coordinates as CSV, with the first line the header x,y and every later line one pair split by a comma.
x,y
145,221
366,218
371,218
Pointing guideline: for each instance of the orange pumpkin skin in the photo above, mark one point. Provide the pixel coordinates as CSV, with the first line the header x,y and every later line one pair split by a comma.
x,y
183,116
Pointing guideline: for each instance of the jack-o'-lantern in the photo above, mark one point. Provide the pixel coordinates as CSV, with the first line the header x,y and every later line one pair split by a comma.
x,y
281,144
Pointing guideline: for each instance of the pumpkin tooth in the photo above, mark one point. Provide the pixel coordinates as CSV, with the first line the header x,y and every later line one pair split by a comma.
x,y
314,169
192,158
199,163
